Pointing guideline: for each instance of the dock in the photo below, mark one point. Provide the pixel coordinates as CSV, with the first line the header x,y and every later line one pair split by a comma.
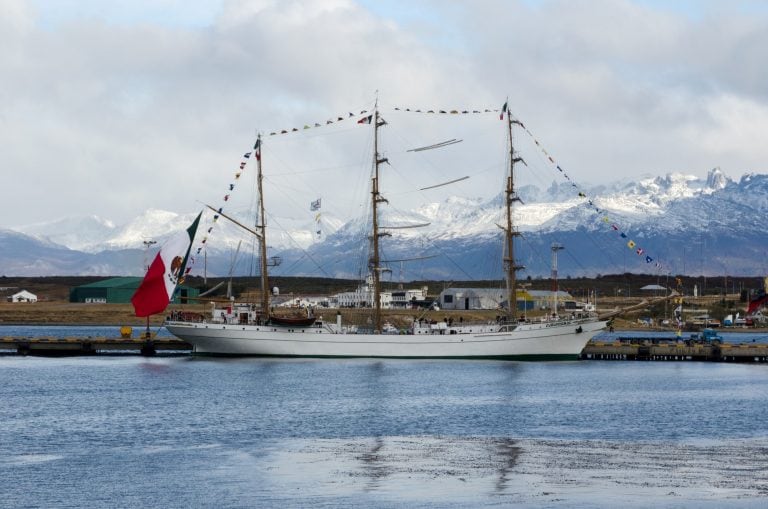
x,y
55,346
634,349
656,349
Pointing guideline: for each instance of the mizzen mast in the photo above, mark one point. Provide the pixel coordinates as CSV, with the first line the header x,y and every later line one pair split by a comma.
x,y
510,196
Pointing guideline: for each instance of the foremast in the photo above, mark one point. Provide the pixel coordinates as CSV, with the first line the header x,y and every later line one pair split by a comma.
x,y
374,262
262,228
510,197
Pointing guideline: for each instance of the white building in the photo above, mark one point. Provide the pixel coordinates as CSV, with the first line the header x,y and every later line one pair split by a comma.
x,y
472,298
23,296
496,298
405,298
362,297
304,301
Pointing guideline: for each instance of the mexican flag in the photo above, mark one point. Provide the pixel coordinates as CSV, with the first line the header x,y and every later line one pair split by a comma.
x,y
155,291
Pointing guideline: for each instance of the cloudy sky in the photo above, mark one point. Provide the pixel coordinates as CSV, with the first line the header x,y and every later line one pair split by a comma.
x,y
113,108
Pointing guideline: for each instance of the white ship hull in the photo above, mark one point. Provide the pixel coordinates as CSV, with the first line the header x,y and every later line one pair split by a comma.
x,y
543,340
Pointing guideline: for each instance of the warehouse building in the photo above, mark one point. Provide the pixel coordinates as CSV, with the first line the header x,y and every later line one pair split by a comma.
x,y
481,298
119,290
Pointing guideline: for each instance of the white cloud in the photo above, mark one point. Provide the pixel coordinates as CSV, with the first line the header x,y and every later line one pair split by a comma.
x,y
736,130
116,110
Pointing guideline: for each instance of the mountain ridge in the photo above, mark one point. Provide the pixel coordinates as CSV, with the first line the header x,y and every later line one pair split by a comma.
x,y
680,221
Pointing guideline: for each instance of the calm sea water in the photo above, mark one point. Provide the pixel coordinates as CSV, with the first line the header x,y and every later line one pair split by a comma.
x,y
181,431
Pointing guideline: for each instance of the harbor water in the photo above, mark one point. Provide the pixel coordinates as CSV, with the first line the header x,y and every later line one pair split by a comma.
x,y
183,431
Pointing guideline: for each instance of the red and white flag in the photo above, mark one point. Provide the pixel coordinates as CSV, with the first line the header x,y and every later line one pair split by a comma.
x,y
156,290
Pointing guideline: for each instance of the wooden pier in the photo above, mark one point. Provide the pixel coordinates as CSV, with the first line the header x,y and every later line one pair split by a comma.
x,y
666,350
54,346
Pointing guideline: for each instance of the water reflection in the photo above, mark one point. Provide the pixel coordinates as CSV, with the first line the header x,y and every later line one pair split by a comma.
x,y
408,464
507,452
472,471
375,467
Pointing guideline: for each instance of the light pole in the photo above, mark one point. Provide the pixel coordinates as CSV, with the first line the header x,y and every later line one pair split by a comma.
x,y
147,245
555,248
666,294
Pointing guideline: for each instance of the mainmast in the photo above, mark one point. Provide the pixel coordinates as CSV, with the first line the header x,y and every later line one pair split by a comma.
x,y
510,231
376,198
262,227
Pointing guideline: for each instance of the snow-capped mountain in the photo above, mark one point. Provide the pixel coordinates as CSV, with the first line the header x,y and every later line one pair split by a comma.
x,y
675,224
683,224
80,233
93,234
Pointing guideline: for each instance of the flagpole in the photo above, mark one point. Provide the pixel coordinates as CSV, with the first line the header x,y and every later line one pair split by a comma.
x,y
148,348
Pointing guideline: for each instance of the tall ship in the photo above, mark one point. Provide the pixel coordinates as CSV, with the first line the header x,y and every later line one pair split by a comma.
x,y
253,329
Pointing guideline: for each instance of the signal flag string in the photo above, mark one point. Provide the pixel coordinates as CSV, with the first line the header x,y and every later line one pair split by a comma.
x,y
631,244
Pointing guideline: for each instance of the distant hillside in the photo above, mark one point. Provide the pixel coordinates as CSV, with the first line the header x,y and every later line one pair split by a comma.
x,y
675,224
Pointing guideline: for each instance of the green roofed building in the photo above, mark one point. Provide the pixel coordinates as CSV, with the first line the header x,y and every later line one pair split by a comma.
x,y
119,290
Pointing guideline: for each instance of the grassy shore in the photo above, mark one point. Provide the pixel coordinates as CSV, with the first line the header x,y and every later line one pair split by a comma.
x,y
71,313
68,313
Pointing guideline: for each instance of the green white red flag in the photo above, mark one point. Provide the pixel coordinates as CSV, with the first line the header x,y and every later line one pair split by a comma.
x,y
156,290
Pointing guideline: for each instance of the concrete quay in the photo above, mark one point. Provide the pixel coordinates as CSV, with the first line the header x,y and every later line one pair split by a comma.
x,y
55,346
666,350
